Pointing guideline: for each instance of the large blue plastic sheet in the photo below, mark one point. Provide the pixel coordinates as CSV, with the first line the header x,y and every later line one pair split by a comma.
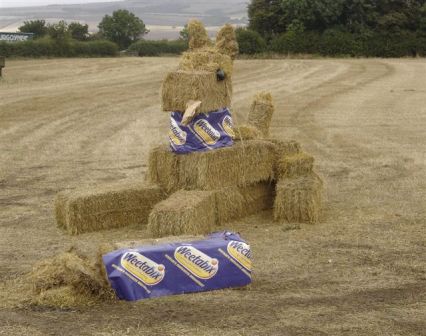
x,y
205,132
222,260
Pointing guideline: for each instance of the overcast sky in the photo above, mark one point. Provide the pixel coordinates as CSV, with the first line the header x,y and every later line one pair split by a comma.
x,y
23,3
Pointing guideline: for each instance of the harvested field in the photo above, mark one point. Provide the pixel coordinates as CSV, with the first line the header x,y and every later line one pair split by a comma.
x,y
361,271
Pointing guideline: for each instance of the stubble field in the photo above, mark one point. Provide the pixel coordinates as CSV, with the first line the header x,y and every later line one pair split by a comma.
x,y
361,271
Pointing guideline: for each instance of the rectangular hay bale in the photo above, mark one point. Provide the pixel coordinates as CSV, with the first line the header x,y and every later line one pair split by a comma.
x,y
179,87
245,163
295,165
299,199
238,202
285,147
163,168
184,212
87,210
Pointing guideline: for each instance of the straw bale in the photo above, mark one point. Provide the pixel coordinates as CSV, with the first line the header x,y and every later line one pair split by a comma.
x,y
60,213
261,111
206,59
163,168
184,212
66,269
244,163
181,86
119,205
295,165
69,279
298,199
246,132
238,202
226,41
198,37
285,147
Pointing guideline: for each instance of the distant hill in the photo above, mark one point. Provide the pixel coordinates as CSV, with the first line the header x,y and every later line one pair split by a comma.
x,y
164,18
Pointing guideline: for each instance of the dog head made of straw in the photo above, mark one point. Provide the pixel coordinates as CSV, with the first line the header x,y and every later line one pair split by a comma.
x,y
204,72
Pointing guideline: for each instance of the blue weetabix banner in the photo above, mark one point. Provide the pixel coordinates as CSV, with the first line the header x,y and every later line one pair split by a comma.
x,y
206,131
222,260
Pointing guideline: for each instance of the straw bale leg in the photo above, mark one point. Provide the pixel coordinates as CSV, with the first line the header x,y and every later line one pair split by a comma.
x,y
298,199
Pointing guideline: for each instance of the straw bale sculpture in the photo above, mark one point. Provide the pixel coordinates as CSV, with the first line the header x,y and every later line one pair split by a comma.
x,y
229,173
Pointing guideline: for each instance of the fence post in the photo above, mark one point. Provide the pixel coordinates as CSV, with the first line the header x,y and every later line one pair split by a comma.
x,y
2,64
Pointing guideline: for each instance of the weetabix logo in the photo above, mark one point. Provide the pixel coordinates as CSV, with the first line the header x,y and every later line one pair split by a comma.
x,y
240,252
143,268
228,126
206,132
196,262
176,134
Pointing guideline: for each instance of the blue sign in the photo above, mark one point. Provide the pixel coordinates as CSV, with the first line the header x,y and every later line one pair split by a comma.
x,y
206,131
222,260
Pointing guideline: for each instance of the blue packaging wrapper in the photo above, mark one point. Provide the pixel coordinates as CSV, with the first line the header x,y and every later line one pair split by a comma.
x,y
205,132
222,260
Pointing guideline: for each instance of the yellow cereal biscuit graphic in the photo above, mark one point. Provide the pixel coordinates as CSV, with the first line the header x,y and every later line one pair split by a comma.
x,y
228,127
197,262
240,252
143,268
206,132
176,135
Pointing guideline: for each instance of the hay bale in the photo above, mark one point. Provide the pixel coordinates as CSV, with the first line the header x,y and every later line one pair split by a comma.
x,y
238,202
184,212
60,213
163,168
206,59
66,269
295,165
73,278
198,37
298,199
285,147
245,163
226,41
181,86
119,205
246,132
261,111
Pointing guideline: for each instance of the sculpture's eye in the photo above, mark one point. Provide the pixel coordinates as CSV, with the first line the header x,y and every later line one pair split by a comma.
x,y
220,75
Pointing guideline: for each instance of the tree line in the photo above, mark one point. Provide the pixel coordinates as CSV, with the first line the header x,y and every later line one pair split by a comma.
x,y
122,30
373,28
383,28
